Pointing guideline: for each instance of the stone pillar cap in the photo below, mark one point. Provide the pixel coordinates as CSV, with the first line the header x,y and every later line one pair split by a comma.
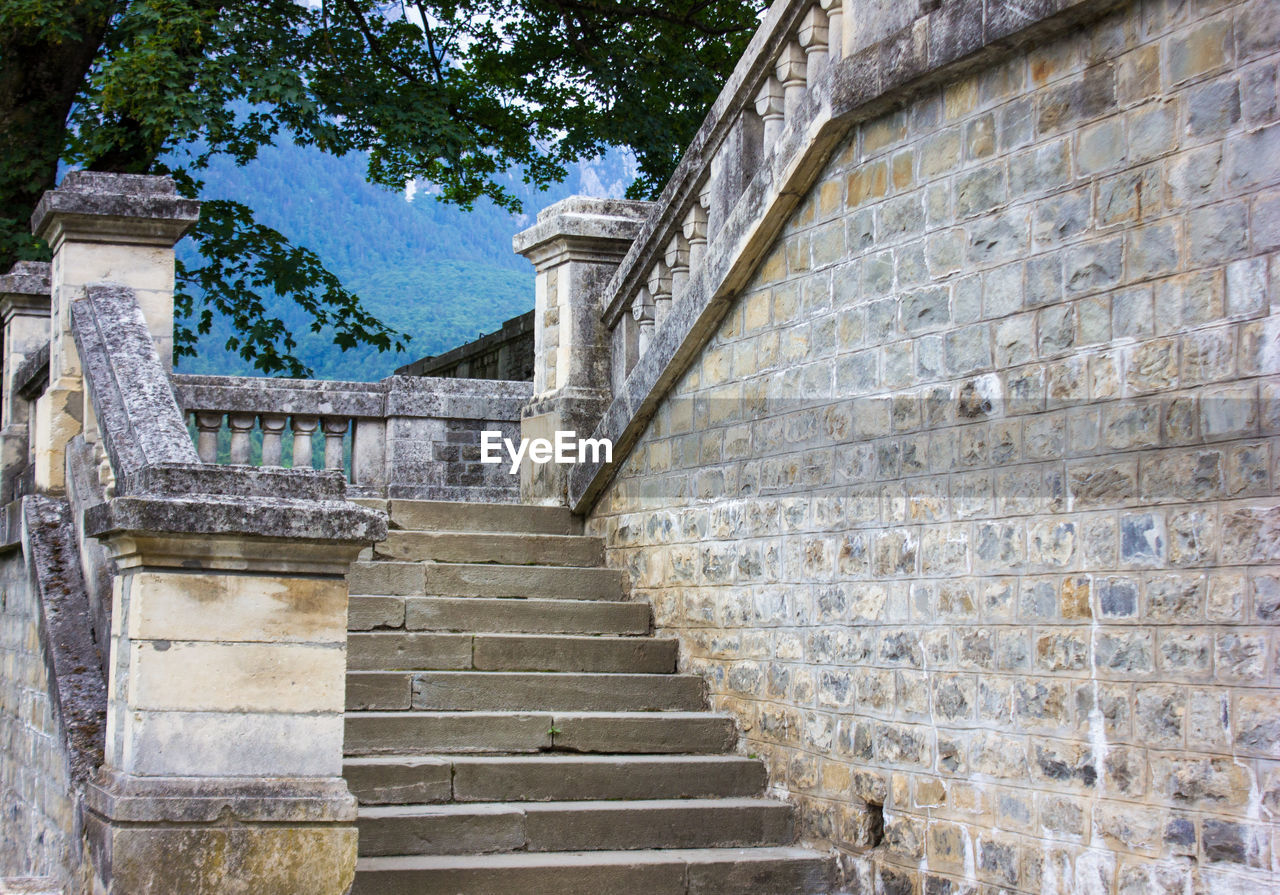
x,y
25,289
596,221
96,206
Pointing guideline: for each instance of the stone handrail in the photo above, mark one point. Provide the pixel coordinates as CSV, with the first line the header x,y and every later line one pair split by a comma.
x,y
138,422
761,99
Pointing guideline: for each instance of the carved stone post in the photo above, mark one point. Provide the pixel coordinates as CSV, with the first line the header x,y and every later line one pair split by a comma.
x,y
222,768
24,311
223,765
575,247
118,228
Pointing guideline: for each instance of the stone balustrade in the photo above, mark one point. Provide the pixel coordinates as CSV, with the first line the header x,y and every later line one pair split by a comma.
x,y
276,423
765,98
403,437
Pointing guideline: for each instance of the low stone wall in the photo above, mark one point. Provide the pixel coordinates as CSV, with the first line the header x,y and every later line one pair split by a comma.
x,y
968,509
38,835
505,354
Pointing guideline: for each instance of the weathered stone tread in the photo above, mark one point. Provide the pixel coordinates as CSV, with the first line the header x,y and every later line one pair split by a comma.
x,y
439,579
433,515
520,616
573,826
405,779
491,547
419,651
755,871
370,733
516,691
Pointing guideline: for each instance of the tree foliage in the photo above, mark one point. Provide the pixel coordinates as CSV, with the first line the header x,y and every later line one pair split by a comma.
x,y
453,93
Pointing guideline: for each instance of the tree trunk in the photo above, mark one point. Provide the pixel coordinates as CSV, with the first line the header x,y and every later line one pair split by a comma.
x,y
41,72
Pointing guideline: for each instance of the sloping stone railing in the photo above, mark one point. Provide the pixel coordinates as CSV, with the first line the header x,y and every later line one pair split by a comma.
x,y
215,595
763,98
407,437
812,71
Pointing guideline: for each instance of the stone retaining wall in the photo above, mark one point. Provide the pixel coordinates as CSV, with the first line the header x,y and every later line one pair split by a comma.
x,y
969,511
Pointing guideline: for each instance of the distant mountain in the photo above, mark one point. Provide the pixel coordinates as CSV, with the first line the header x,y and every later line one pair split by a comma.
x,y
441,274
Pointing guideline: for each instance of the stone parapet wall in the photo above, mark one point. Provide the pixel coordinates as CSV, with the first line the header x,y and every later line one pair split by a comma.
x,y
968,509
504,354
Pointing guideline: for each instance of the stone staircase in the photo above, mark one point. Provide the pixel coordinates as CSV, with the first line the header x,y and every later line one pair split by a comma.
x,y
514,728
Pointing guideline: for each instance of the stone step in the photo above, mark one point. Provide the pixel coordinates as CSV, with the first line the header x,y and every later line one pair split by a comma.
x,y
754,871
429,651
400,779
29,885
409,651
519,691
398,732
436,515
491,827
486,547
501,615
399,579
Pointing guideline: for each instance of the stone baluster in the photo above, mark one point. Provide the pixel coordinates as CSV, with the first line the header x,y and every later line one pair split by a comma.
x,y
695,231
643,311
303,428
660,289
771,109
678,263
241,425
335,429
208,425
273,438
815,29
792,71
835,27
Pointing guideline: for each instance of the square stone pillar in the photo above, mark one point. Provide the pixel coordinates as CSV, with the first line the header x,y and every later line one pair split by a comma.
x,y
118,228
223,763
24,313
575,248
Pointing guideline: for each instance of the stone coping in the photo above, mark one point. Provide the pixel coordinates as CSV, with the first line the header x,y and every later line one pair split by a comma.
x,y
957,35
138,206
408,396
202,514
137,416
187,479
584,218
26,285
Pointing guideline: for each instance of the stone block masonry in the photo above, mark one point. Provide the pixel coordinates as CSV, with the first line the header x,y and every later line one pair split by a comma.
x,y
37,802
969,508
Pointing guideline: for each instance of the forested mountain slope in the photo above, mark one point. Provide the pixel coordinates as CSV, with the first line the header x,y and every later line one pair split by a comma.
x,y
439,273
